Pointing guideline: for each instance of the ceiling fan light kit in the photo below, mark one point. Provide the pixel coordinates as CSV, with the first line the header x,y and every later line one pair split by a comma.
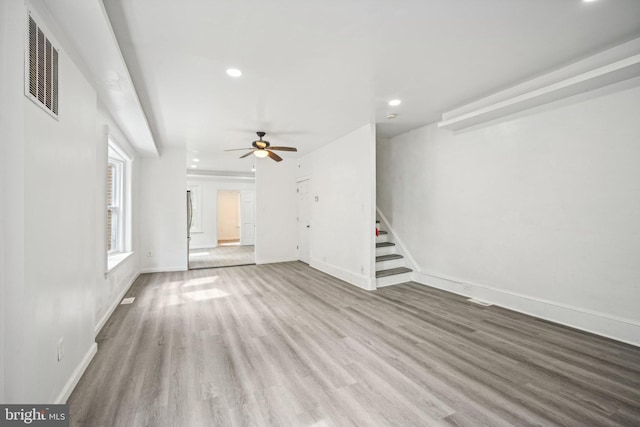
x,y
262,149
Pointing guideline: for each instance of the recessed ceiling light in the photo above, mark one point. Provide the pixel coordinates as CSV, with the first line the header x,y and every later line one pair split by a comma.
x,y
395,102
196,160
194,166
234,72
588,1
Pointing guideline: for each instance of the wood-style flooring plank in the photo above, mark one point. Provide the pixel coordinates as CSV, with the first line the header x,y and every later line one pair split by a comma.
x,y
286,345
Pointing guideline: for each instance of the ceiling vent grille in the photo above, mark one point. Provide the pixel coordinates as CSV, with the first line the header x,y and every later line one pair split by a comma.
x,y
42,66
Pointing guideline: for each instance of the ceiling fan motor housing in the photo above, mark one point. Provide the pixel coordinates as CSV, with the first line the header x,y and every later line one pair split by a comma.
x,y
260,143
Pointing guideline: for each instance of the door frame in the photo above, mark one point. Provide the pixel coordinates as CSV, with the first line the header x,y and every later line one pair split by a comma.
x,y
308,226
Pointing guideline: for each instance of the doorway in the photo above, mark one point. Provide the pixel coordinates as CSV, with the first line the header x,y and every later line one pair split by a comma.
x,y
229,218
227,237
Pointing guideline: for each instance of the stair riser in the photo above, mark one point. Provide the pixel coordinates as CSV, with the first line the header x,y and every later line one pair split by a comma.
x,y
382,238
394,280
386,265
386,250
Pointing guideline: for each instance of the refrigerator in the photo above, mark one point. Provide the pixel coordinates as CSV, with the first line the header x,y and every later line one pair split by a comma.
x,y
189,221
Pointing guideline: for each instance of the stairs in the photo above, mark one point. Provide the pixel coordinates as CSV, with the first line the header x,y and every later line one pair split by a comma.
x,y
391,266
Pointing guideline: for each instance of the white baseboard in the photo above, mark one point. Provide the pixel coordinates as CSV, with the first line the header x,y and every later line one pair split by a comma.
x,y
76,375
358,280
273,260
204,246
617,328
162,269
114,304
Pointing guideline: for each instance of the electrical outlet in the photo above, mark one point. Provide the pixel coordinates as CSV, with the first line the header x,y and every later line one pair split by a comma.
x,y
60,349
149,254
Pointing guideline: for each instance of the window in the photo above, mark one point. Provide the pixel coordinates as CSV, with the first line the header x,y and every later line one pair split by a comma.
x,y
118,218
115,179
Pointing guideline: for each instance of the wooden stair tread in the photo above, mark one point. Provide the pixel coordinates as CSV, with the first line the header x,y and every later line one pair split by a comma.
x,y
384,244
392,272
389,257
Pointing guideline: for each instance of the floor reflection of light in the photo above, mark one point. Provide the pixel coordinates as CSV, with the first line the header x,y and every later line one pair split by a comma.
x,y
171,300
199,254
201,281
205,294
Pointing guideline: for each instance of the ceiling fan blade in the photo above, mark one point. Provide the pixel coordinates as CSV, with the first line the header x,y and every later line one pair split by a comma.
x,y
283,148
274,156
248,154
239,149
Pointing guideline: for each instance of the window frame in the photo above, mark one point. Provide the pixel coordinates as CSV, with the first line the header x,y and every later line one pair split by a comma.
x,y
121,205
115,241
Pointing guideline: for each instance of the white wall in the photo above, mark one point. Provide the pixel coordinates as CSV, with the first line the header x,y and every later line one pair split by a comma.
x,y
538,213
11,192
209,187
163,212
52,203
49,280
342,239
276,211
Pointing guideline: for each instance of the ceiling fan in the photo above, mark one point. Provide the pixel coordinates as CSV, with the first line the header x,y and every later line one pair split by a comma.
x,y
262,148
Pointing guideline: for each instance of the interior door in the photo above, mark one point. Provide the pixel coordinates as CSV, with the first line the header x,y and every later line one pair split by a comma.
x,y
248,214
304,221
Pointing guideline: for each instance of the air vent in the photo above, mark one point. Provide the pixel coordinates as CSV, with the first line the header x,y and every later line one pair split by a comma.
x,y
42,69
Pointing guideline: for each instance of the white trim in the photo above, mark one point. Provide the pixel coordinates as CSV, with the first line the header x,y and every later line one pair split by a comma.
x,y
114,260
606,325
162,269
358,280
205,246
98,327
396,279
76,375
273,260
612,66
121,190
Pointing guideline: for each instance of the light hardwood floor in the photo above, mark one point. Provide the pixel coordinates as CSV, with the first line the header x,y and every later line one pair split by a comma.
x,y
221,256
284,344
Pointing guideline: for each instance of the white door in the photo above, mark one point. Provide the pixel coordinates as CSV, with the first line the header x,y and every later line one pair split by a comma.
x,y
248,213
304,221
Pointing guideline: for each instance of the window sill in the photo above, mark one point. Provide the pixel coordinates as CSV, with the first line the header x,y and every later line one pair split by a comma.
x,y
115,260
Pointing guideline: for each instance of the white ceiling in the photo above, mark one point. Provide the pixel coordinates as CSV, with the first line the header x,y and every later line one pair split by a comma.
x,y
315,70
